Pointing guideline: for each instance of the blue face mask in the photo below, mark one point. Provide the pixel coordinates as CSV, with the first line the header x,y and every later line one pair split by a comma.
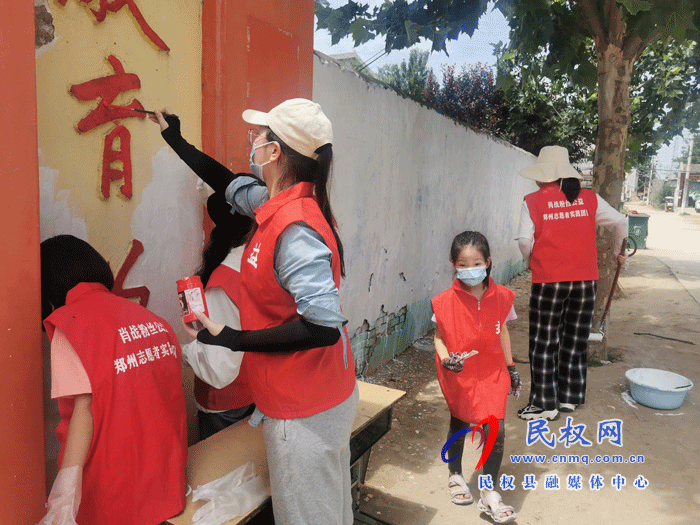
x,y
256,169
471,276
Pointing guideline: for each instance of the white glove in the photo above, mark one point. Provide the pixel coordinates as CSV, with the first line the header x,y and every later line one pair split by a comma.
x,y
235,494
64,499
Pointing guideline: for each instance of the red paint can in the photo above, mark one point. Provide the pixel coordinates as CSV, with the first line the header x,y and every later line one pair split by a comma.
x,y
191,294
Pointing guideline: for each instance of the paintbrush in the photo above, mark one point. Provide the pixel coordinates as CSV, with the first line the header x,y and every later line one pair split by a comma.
x,y
131,109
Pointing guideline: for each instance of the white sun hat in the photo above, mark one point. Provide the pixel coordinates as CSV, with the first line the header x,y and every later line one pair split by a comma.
x,y
298,122
552,164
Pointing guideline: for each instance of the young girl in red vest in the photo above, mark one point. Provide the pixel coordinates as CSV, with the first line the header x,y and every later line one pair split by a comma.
x,y
116,372
221,390
299,361
472,315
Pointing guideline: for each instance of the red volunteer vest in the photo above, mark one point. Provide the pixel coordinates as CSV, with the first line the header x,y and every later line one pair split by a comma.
x,y
481,388
565,247
304,383
135,469
237,394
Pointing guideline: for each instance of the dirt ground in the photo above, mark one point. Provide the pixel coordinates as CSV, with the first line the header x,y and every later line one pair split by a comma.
x,y
407,480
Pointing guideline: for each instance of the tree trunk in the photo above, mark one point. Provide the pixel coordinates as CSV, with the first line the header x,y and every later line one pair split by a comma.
x,y
614,115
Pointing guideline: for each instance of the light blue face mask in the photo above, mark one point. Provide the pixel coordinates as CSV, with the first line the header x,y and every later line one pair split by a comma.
x,y
256,169
471,276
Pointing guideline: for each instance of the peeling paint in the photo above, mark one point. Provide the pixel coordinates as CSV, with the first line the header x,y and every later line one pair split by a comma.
x,y
45,36
56,208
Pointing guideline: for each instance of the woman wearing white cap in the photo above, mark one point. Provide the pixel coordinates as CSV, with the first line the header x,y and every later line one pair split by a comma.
x,y
300,363
558,237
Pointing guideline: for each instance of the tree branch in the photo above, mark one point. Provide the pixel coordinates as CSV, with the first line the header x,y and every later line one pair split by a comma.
x,y
614,15
592,19
634,45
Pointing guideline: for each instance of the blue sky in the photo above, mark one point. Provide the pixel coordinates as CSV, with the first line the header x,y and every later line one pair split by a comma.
x,y
492,28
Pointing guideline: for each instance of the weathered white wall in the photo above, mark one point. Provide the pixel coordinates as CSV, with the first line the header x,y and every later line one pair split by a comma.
x,y
406,181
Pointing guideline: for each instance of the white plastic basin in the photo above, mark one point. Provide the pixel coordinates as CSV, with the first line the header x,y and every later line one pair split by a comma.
x,y
658,388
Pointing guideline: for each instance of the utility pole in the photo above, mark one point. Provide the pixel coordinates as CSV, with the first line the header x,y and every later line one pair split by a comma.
x,y
686,182
651,176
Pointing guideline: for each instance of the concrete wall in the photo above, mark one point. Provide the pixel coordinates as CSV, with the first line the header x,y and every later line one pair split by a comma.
x,y
406,181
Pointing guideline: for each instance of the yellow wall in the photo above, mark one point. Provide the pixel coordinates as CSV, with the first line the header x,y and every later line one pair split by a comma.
x,y
165,212
169,78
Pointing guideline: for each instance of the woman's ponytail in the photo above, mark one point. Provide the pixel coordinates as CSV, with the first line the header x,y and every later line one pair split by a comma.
x,y
321,180
299,168
570,187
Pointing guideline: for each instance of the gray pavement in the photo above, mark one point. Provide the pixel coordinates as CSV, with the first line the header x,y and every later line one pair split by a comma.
x,y
675,240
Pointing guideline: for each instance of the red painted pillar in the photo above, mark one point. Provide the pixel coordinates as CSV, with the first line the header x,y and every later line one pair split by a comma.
x,y
22,483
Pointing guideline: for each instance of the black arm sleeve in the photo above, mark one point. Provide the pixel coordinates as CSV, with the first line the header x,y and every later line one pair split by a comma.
x,y
206,168
286,338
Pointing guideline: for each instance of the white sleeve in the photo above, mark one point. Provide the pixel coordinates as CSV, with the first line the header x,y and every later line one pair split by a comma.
x,y
612,220
526,233
216,365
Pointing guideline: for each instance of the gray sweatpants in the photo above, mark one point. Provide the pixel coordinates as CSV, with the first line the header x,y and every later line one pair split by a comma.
x,y
309,462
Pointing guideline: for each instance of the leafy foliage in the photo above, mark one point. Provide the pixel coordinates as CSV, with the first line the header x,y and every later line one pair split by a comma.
x,y
666,191
468,96
560,53
644,170
664,97
401,22
409,77
542,111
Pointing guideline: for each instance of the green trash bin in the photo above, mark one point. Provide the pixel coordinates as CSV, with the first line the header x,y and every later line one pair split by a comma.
x,y
639,228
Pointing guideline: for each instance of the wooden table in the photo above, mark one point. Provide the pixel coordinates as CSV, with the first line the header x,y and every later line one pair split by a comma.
x,y
227,450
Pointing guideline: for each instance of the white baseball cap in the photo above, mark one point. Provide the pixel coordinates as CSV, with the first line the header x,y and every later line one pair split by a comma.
x,y
298,122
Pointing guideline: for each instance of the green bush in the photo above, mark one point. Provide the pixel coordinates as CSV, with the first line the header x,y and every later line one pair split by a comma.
x,y
666,191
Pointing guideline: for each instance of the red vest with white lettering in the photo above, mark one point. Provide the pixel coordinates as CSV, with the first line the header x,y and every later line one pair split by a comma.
x,y
481,388
298,384
237,394
135,468
565,243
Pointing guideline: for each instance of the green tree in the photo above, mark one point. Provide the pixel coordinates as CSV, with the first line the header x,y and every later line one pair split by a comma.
x,y
644,171
409,77
469,96
560,30
541,111
544,111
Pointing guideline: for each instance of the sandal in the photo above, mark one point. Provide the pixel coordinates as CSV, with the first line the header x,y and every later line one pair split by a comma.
x,y
493,505
458,487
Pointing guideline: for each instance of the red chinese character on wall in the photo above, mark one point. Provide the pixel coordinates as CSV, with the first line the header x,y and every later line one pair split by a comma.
x,y
114,6
107,89
142,292
110,155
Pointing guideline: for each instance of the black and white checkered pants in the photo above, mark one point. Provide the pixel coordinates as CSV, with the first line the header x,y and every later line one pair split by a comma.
x,y
560,321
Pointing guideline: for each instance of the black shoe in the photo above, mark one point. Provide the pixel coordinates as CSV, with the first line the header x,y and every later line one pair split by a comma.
x,y
567,407
532,412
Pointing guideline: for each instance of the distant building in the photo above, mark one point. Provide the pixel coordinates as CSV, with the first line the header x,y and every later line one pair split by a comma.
x,y
351,59
586,170
693,182
629,187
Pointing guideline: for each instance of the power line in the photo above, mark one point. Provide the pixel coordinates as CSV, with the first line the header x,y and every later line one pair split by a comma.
x,y
372,61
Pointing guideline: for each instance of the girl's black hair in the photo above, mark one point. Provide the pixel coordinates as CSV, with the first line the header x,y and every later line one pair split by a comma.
x,y
299,168
67,261
229,232
478,241
570,187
